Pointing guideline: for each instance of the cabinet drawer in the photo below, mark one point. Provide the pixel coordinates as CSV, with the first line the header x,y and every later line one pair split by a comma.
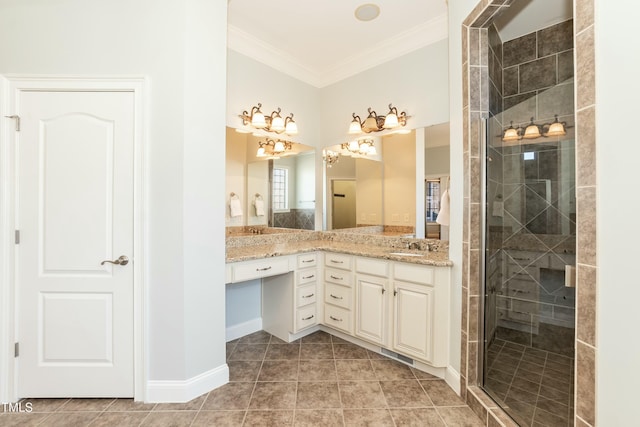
x,y
306,276
307,260
306,317
338,295
338,318
337,276
373,267
414,273
338,261
259,269
305,295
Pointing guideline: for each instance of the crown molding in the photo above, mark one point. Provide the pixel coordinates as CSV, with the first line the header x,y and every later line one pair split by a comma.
x,y
414,38
248,45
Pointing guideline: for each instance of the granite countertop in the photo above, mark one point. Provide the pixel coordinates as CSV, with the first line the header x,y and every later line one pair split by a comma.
x,y
260,251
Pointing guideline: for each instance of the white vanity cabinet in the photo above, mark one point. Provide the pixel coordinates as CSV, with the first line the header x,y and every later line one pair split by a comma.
x,y
338,291
289,286
306,291
421,312
371,308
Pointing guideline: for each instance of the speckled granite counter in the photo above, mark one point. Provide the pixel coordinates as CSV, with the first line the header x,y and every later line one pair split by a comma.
x,y
246,248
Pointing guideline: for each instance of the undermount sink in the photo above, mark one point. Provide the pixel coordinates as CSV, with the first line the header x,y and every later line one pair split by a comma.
x,y
404,254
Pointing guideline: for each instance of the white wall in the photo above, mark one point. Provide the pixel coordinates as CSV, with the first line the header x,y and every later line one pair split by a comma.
x,y
415,83
306,182
180,48
236,175
618,202
458,12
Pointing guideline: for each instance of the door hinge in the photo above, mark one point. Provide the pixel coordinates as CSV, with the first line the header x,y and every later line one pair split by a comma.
x,y
17,237
16,350
17,119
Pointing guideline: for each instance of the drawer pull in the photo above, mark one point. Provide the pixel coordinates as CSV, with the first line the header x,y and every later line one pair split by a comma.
x,y
335,261
263,269
308,296
335,318
335,277
308,318
309,277
335,297
307,260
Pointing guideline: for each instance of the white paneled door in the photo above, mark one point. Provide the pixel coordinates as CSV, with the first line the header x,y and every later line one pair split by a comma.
x,y
75,211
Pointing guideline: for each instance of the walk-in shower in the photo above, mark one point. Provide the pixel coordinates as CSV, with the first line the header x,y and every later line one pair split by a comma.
x,y
529,229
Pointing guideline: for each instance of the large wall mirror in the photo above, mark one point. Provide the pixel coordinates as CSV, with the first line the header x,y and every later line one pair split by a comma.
x,y
273,191
393,190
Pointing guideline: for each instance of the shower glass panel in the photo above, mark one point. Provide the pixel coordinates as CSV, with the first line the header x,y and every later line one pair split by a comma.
x,y
529,306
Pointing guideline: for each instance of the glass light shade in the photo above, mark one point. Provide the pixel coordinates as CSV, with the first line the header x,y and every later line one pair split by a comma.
x,y
260,152
531,132
364,148
353,146
370,124
257,120
277,124
355,127
556,129
391,121
291,128
278,147
511,135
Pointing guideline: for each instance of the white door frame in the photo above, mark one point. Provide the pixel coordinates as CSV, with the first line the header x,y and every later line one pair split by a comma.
x,y
10,87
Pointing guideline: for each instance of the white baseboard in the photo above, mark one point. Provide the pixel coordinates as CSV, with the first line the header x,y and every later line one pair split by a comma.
x,y
245,328
180,391
452,377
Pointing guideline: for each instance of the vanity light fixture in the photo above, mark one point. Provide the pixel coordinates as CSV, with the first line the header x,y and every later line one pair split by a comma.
x,y
271,123
376,123
330,157
533,131
362,146
273,149
557,128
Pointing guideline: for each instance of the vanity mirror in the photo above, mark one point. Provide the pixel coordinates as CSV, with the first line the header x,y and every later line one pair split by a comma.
x,y
398,192
276,189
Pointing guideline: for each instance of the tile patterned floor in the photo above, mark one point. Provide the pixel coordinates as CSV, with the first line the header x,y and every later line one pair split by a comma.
x,y
319,380
536,385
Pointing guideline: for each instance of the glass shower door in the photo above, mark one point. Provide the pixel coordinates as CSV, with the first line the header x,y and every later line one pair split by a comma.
x,y
529,304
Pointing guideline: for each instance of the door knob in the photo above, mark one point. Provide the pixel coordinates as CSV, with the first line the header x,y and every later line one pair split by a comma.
x,y
122,260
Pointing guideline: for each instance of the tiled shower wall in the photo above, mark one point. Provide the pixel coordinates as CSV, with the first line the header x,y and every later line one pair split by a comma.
x,y
533,237
476,102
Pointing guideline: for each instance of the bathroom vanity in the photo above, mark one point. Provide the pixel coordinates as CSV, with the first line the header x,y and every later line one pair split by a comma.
x,y
390,300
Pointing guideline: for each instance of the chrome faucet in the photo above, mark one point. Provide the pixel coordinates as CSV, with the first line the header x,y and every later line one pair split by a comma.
x,y
413,245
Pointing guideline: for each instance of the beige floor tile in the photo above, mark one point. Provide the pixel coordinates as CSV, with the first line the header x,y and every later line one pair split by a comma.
x,y
367,417
361,394
272,395
317,395
268,418
318,417
169,419
317,370
120,419
219,419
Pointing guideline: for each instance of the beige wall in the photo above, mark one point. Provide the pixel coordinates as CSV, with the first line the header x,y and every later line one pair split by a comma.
x,y
398,152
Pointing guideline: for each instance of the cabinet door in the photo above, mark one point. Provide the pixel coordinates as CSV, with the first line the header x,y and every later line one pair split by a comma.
x,y
413,320
371,308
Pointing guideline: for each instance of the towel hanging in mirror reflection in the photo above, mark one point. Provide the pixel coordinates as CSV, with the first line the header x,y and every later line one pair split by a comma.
x,y
235,207
258,203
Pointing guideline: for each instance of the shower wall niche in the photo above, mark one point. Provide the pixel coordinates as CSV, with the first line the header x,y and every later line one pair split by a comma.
x,y
530,226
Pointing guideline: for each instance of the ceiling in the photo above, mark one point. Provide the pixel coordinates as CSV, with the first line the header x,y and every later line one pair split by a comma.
x,y
526,16
321,42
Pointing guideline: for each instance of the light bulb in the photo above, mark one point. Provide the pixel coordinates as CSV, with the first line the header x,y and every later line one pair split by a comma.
x,y
277,124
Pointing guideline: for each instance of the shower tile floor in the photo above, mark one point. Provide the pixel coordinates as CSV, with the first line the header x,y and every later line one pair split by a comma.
x,y
319,380
535,386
